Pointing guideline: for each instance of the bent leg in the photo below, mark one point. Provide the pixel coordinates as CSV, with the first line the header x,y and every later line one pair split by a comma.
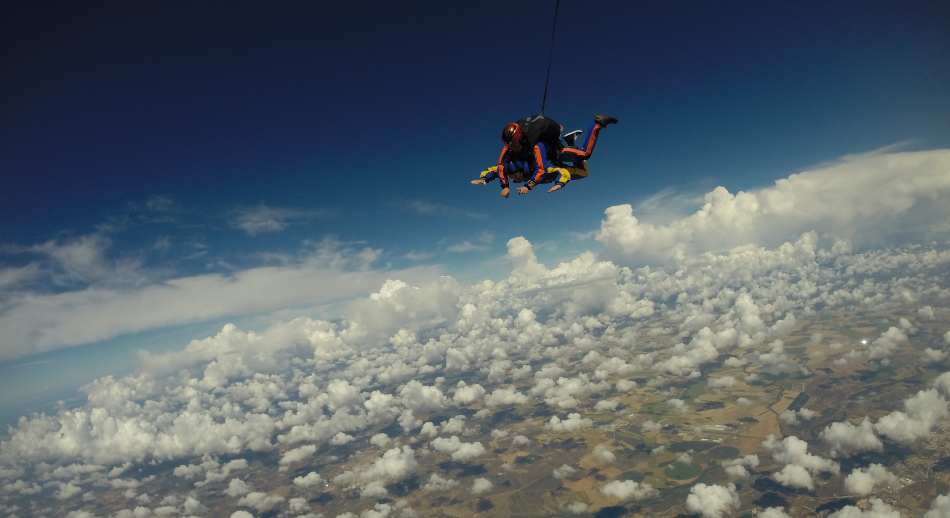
x,y
577,154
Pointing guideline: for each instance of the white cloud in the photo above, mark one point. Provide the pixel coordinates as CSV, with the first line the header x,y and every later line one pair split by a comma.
x,y
265,219
793,475
603,454
262,502
481,485
885,345
380,440
422,398
45,322
564,471
399,305
792,417
311,479
577,508
237,487
712,501
922,413
430,208
438,483
773,512
505,396
297,455
939,508
865,198
481,242
721,382
67,491
573,423
628,490
878,509
460,451
12,277
863,481
341,438
394,465
739,468
467,394
792,450
846,438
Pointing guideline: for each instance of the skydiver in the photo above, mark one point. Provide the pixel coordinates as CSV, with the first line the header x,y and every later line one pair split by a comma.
x,y
534,144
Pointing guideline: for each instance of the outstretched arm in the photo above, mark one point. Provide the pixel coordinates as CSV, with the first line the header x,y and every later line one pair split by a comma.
x,y
486,176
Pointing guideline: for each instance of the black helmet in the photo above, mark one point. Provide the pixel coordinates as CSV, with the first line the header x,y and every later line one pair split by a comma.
x,y
511,132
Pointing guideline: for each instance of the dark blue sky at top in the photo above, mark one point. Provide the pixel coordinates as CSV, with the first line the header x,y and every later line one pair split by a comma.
x,y
356,108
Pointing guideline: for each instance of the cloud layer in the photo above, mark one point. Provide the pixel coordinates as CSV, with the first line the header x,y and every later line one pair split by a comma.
x,y
870,199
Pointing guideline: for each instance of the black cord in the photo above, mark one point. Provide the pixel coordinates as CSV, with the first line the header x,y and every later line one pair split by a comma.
x,y
547,78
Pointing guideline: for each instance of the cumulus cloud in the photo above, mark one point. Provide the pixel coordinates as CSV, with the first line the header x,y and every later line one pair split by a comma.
x,y
712,501
739,468
793,417
573,423
793,475
467,394
886,344
297,455
921,414
311,479
438,483
380,440
603,454
341,438
721,382
939,508
899,190
237,487
563,471
394,465
792,450
878,509
847,439
628,490
505,396
262,502
773,512
481,485
460,451
862,481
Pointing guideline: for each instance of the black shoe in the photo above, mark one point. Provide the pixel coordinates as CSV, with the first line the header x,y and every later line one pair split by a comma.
x,y
605,120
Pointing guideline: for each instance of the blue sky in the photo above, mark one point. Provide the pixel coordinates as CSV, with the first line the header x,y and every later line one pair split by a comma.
x,y
136,140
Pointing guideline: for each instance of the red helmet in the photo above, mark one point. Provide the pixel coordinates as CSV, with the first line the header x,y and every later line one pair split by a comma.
x,y
511,133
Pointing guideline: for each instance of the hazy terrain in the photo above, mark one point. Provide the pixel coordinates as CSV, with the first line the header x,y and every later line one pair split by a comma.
x,y
803,378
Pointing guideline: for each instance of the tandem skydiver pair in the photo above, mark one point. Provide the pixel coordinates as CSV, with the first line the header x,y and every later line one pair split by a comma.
x,y
534,152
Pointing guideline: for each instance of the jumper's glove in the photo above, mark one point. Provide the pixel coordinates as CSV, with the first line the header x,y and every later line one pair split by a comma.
x,y
527,187
556,187
505,192
479,181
